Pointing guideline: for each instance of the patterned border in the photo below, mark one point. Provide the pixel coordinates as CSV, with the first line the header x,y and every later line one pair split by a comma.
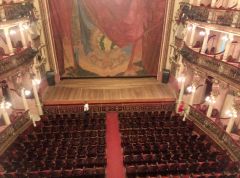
x,y
118,107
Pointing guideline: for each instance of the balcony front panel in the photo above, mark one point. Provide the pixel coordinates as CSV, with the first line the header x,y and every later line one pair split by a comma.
x,y
12,129
223,17
215,132
13,11
12,62
224,69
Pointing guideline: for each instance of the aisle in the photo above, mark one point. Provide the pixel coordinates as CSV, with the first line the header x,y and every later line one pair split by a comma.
x,y
115,168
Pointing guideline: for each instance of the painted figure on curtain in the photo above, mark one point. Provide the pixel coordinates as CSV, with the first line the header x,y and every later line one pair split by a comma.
x,y
113,38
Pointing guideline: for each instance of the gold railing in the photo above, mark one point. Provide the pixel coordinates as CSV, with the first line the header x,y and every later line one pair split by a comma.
x,y
216,132
11,130
220,16
14,11
14,61
222,68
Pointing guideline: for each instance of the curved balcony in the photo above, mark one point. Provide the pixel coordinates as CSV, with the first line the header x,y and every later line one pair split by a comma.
x,y
12,62
229,71
218,16
216,132
6,132
18,10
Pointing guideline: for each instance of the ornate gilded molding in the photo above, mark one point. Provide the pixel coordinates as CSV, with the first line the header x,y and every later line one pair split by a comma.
x,y
164,51
213,16
16,61
68,109
217,133
13,129
223,69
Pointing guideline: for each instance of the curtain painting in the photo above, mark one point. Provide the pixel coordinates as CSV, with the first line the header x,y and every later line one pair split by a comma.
x,y
107,38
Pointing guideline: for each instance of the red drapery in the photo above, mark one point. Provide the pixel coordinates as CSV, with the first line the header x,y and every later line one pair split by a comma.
x,y
61,15
128,21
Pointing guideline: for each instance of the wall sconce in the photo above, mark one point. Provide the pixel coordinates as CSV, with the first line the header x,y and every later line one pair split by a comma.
x,y
12,32
202,33
191,89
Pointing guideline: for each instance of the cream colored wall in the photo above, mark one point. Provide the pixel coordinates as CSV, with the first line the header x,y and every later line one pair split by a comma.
x,y
172,35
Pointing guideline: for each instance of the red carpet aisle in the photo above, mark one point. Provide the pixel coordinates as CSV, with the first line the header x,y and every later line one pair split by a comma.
x,y
115,167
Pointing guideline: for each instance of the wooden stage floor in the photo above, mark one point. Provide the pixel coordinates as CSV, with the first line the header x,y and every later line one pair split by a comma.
x,y
108,90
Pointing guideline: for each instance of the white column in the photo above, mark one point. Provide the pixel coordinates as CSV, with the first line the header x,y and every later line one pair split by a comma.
x,y
198,2
191,99
210,109
191,1
23,39
230,125
182,80
25,104
213,3
37,100
192,35
228,45
5,116
8,40
205,41
235,18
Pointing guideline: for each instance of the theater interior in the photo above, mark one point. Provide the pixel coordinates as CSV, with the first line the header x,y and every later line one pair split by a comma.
x,y
120,89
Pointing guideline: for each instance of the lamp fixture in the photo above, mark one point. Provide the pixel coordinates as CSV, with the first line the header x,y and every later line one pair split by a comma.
x,y
5,105
225,38
191,89
231,113
210,99
181,79
202,33
12,32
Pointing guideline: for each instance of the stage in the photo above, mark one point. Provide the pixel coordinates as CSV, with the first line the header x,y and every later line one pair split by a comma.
x,y
108,90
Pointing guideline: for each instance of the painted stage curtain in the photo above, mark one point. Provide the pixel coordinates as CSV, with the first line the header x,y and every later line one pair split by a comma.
x,y
129,21
123,21
61,14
